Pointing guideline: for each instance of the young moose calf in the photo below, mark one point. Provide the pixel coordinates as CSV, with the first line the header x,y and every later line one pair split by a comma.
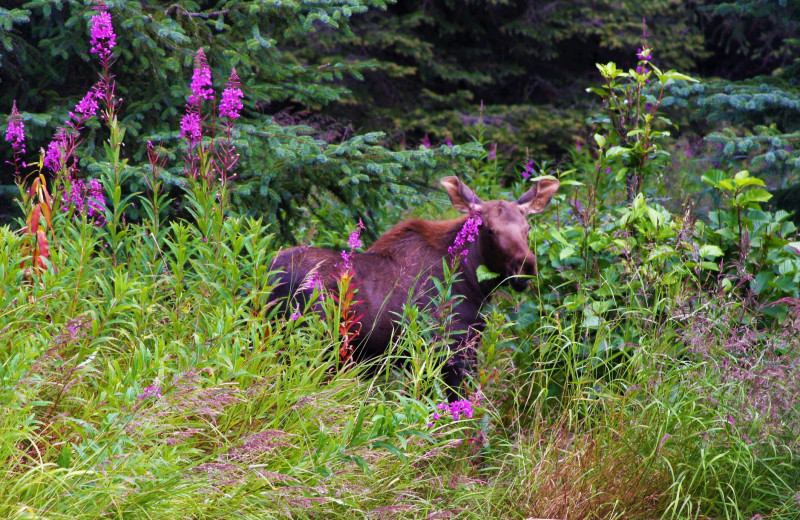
x,y
401,263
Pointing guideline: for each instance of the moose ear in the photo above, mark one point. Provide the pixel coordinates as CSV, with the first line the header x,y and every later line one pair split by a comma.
x,y
463,198
535,199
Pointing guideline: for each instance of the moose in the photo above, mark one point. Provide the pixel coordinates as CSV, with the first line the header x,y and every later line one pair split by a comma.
x,y
400,265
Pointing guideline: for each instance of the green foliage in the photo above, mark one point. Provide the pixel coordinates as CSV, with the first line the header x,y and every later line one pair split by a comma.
x,y
633,143
762,240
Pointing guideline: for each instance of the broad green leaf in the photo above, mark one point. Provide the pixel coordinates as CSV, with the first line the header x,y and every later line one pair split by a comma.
x,y
709,251
484,273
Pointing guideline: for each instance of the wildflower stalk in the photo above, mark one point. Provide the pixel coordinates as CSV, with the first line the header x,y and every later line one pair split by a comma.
x,y
632,110
349,322
157,203
15,135
103,41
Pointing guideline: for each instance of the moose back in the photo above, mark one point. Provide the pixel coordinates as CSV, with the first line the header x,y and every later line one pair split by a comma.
x,y
399,267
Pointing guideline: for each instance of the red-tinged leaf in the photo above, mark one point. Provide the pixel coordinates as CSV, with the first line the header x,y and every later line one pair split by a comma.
x,y
47,212
48,199
44,245
44,248
35,186
33,219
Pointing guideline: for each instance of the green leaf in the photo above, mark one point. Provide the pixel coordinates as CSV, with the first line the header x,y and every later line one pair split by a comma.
x,y
753,195
591,322
484,273
710,251
64,456
391,448
600,140
616,150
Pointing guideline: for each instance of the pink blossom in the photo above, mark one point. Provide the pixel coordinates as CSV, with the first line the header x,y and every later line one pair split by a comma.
x,y
528,170
201,79
54,157
231,98
86,107
153,390
86,199
467,234
353,243
102,33
191,128
15,134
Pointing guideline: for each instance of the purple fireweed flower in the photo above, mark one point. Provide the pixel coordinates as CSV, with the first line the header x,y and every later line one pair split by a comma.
x,y
426,141
644,54
347,260
296,315
74,197
353,243
86,107
465,407
201,79
461,407
467,233
102,33
86,199
15,134
154,390
191,128
54,157
493,151
528,171
95,203
355,236
644,71
232,96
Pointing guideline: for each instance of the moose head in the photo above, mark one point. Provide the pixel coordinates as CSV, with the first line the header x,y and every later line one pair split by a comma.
x,y
503,238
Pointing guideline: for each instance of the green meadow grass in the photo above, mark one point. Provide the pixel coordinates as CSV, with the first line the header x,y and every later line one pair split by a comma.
x,y
164,386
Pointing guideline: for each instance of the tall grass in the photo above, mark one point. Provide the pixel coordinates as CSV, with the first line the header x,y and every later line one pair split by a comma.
x,y
169,389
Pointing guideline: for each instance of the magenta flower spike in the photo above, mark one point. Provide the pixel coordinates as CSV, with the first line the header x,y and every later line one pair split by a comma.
x,y
191,128
15,134
467,234
86,199
201,79
54,157
86,108
231,104
102,34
